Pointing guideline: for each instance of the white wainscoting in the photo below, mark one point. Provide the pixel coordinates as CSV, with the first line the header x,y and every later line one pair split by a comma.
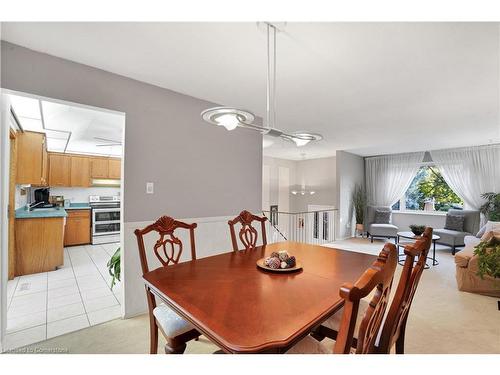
x,y
212,237
404,219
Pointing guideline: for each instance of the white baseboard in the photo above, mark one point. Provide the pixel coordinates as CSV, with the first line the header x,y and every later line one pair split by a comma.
x,y
212,237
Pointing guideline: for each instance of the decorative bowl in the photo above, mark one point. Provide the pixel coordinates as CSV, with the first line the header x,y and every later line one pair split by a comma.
x,y
417,229
279,261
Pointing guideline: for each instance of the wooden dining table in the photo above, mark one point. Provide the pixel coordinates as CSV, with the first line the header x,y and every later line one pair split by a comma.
x,y
244,309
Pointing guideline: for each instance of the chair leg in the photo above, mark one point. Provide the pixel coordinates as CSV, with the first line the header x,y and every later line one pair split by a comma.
x,y
153,346
371,238
174,346
400,342
453,250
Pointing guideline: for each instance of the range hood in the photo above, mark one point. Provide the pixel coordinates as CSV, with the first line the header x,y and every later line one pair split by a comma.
x,y
105,182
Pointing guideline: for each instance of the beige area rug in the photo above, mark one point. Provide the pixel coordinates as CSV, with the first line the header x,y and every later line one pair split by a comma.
x,y
441,320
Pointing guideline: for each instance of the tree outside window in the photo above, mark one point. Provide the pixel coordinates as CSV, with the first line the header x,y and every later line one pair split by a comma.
x,y
428,185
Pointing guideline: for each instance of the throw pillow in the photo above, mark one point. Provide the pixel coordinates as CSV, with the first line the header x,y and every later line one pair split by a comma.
x,y
454,222
490,225
382,217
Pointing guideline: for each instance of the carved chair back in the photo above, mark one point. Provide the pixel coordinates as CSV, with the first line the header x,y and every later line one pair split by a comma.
x,y
379,278
168,247
395,321
248,234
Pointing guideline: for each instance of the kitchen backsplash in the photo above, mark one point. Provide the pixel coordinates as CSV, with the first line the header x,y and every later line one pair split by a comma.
x,y
20,200
82,194
74,194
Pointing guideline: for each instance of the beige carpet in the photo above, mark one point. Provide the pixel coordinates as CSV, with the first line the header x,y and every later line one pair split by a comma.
x,y
442,319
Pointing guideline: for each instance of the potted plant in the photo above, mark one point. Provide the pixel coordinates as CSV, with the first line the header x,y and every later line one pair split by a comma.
x,y
488,262
359,203
491,208
417,229
114,267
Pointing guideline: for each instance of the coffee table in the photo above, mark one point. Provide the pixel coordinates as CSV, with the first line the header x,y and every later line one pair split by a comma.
x,y
411,236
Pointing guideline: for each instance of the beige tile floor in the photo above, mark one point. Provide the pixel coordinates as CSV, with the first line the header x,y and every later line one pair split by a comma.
x,y
75,296
442,319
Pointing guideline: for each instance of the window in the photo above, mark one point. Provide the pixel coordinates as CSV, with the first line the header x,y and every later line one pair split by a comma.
x,y
429,192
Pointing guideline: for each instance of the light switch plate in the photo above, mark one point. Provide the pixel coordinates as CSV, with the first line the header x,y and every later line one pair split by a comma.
x,y
150,188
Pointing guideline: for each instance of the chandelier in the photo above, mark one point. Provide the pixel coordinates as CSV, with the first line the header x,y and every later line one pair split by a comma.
x,y
231,118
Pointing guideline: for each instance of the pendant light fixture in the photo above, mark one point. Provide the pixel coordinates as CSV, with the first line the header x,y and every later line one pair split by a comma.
x,y
231,118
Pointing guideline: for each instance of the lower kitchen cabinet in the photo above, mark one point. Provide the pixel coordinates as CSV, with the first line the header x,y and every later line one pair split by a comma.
x,y
77,231
39,245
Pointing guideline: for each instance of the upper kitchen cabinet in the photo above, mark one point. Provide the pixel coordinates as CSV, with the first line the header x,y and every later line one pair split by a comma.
x,y
59,170
31,154
114,169
99,168
80,171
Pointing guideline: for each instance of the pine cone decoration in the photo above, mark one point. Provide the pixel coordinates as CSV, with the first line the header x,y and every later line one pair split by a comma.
x,y
274,254
274,263
291,262
283,255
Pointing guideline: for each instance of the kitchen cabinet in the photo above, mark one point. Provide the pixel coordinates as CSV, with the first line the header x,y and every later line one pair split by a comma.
x,y
59,169
114,169
39,245
99,168
30,159
80,171
77,231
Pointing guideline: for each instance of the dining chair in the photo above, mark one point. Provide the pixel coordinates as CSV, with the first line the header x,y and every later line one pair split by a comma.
x,y
362,321
393,329
168,249
248,234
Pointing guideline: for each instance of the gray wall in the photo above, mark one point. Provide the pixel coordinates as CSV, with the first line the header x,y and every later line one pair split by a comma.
x,y
318,175
199,170
350,171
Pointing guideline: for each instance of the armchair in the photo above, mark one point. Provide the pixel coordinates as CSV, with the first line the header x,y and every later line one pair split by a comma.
x,y
383,230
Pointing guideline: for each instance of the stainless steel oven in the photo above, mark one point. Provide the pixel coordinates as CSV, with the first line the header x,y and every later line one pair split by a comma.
x,y
106,214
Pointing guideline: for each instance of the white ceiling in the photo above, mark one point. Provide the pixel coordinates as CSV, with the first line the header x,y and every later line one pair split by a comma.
x,y
69,128
370,88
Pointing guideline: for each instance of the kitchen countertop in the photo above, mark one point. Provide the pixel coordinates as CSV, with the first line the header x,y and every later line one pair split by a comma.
x,y
22,213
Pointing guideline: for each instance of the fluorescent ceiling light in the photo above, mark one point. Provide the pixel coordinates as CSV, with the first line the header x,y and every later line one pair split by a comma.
x,y
31,124
25,107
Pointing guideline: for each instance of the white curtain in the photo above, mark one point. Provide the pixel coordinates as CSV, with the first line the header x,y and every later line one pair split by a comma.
x,y
470,171
389,176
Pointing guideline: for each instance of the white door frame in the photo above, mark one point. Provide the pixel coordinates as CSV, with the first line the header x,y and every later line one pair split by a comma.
x,y
4,202
4,197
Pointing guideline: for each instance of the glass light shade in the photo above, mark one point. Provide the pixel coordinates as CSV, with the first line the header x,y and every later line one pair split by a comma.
x,y
229,121
294,192
301,142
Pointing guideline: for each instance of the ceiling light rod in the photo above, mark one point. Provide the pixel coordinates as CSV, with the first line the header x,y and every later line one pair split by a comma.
x,y
271,75
231,118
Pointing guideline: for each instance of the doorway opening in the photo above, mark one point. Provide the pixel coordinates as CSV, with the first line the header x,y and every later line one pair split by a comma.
x,y
64,218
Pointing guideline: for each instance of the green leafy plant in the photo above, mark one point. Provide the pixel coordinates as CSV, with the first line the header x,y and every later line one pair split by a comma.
x,y
359,203
491,209
417,229
114,267
488,253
